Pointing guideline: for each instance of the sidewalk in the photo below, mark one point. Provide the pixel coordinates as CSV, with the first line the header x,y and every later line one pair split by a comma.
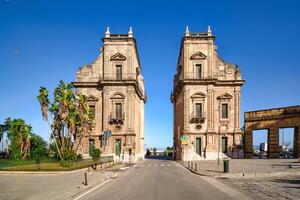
x,y
245,167
51,186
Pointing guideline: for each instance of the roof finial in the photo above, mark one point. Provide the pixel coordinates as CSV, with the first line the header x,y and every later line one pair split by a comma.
x,y
107,33
130,33
209,31
187,32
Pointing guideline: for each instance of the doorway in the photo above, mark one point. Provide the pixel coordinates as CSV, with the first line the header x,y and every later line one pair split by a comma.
x,y
91,146
198,146
118,147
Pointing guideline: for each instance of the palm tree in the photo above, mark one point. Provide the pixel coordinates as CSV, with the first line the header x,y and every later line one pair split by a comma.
x,y
85,119
63,98
44,102
72,117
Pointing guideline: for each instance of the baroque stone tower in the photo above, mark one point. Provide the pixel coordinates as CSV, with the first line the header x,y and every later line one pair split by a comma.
x,y
206,101
114,86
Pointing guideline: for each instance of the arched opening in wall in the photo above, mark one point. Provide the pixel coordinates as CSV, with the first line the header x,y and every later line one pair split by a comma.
x,y
286,142
260,143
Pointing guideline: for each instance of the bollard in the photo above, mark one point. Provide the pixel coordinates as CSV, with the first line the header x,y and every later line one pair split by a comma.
x,y
85,179
192,165
196,168
226,166
188,164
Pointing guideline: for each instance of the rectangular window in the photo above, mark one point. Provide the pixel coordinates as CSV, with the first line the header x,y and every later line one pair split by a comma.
x,y
198,110
224,110
119,72
198,71
118,110
92,110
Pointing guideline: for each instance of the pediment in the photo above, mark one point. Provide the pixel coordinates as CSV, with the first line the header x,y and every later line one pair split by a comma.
x,y
198,56
118,96
225,96
92,98
118,57
198,95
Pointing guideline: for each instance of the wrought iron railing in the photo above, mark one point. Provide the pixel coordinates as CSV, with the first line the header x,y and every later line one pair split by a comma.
x,y
116,118
197,117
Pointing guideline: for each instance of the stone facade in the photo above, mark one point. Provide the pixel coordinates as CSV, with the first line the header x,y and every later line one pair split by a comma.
x,y
272,120
206,101
114,86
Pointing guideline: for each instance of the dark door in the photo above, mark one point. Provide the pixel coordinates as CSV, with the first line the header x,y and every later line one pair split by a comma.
x,y
198,146
224,144
118,147
91,146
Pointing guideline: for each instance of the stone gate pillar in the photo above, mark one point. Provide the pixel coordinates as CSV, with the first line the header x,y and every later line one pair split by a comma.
x,y
297,142
248,141
273,142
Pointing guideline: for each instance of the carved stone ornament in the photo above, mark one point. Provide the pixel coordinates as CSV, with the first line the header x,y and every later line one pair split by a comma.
x,y
87,70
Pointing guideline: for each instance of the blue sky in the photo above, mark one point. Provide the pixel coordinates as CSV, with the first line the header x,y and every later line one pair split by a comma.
x,y
42,42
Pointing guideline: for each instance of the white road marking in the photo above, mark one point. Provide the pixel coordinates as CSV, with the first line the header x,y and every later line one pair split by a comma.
x,y
124,168
169,165
79,197
162,164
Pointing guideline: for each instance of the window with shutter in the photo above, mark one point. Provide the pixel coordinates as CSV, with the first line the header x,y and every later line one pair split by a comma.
x,y
198,71
118,110
119,72
224,110
198,110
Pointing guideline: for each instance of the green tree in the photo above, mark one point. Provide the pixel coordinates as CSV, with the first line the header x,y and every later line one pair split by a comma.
x,y
154,151
38,147
71,118
19,134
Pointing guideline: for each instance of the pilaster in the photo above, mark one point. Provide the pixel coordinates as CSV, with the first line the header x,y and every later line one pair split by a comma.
x,y
297,142
210,109
273,142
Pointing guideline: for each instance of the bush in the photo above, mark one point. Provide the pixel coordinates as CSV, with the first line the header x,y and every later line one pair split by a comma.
x,y
38,147
69,154
69,157
96,154
66,163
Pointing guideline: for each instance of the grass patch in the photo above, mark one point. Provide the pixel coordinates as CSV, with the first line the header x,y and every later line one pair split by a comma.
x,y
46,165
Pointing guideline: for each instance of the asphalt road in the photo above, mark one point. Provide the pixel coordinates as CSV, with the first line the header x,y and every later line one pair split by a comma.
x,y
157,180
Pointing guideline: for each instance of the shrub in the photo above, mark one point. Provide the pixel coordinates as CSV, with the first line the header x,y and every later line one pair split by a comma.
x,y
66,163
70,155
96,154
38,147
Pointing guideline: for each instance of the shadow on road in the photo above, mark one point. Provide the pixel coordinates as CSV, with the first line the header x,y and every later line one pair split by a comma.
x,y
159,157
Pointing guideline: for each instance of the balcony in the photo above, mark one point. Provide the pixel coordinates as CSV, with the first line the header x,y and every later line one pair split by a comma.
x,y
197,119
119,76
116,118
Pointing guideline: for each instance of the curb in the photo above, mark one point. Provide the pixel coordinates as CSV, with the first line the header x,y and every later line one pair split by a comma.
x,y
51,172
201,174
243,175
